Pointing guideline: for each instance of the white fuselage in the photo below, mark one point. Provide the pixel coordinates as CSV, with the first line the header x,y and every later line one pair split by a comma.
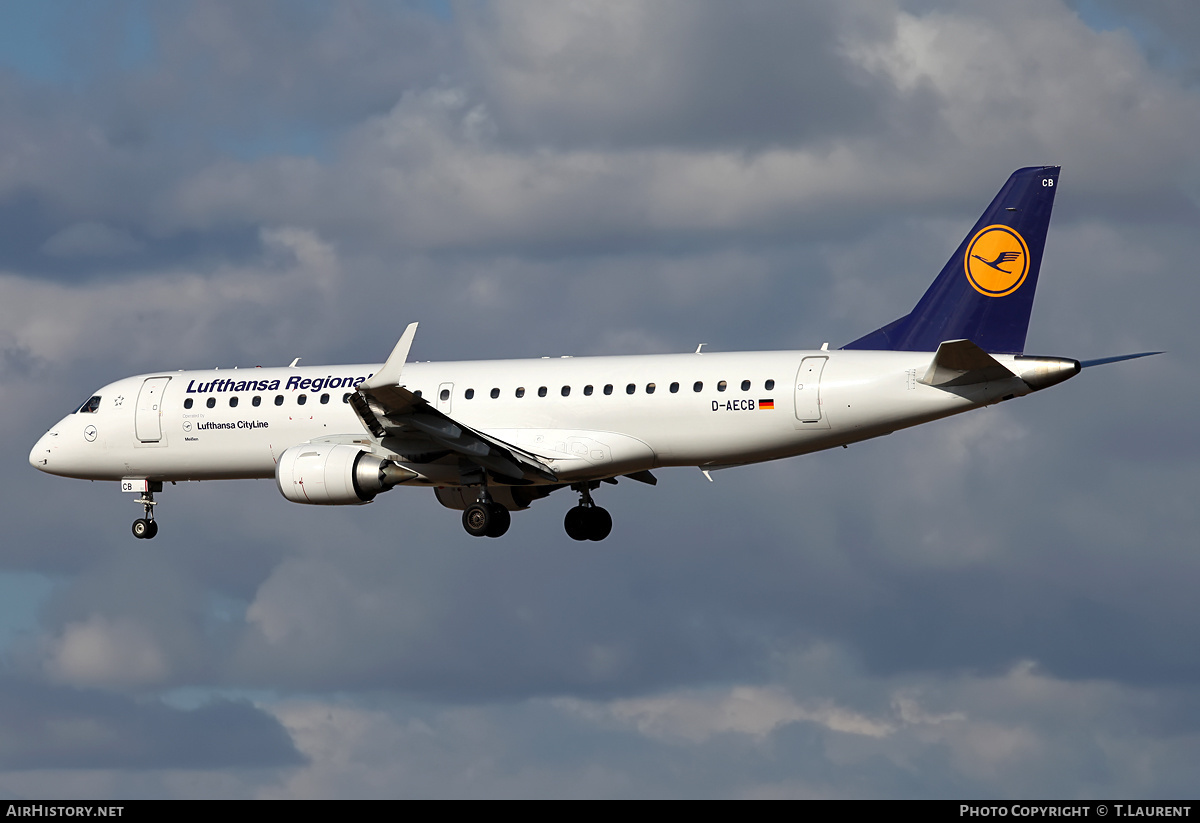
x,y
708,410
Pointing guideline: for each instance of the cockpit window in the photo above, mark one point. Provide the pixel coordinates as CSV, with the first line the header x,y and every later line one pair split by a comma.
x,y
91,406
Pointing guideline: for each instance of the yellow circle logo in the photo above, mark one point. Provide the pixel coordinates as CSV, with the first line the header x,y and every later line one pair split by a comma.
x,y
997,261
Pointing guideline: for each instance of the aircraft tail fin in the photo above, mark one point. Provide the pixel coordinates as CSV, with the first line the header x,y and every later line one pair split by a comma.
x,y
985,291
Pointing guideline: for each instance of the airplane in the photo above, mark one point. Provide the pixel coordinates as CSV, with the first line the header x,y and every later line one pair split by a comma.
x,y
492,436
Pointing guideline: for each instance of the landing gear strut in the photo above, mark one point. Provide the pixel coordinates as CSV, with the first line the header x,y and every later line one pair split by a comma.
x,y
485,518
144,528
587,521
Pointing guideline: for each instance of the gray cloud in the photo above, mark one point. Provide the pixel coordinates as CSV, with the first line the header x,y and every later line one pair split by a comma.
x,y
678,74
1168,32
91,239
48,728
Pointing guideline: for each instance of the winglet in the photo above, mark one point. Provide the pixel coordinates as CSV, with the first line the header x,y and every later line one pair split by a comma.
x,y
389,375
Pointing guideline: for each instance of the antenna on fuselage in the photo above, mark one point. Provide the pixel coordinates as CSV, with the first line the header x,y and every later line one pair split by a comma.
x,y
698,348
293,363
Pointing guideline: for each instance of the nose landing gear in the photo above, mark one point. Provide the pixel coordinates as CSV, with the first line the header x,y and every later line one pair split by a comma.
x,y
144,528
587,521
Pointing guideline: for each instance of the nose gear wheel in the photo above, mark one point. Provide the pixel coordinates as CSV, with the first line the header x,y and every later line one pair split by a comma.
x,y
144,528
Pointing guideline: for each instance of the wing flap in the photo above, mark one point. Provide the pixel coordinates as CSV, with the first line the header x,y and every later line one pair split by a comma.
x,y
510,463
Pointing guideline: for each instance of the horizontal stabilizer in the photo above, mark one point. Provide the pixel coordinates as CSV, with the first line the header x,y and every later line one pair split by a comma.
x,y
1085,363
962,363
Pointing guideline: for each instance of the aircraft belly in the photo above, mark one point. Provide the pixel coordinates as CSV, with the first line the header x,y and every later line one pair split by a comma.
x,y
212,462
580,453
865,410
743,444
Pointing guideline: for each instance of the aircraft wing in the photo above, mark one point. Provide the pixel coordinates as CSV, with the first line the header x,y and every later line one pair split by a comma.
x,y
386,408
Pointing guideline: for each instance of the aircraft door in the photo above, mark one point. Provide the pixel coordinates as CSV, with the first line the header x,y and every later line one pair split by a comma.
x,y
445,397
148,419
808,394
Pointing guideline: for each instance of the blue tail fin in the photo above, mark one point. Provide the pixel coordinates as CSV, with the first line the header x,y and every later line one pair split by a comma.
x,y
985,291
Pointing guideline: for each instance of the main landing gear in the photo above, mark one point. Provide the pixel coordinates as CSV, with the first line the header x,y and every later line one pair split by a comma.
x,y
587,521
144,528
484,518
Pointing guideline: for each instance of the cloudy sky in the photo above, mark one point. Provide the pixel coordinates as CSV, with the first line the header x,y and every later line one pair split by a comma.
x,y
998,605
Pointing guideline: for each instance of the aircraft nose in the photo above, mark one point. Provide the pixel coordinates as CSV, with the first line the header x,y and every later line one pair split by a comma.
x,y
39,456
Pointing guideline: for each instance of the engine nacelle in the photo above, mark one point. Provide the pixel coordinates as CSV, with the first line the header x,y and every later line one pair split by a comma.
x,y
335,475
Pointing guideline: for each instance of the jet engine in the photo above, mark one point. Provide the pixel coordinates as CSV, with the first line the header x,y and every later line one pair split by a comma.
x,y
335,475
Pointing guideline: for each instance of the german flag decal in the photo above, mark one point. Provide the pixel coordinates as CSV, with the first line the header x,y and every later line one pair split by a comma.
x,y
766,404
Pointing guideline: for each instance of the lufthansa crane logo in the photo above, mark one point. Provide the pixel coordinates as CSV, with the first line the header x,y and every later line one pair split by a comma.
x,y
997,261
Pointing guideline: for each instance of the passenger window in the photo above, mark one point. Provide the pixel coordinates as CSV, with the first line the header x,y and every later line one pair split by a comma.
x,y
698,386
301,400
495,393
566,391
416,394
324,399
674,388
345,398
187,404
587,390
444,394
210,402
722,386
541,391
279,399
770,384
649,388
233,402
608,388
257,401
520,391
745,385
630,389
